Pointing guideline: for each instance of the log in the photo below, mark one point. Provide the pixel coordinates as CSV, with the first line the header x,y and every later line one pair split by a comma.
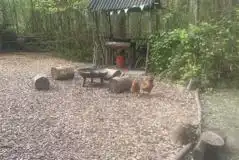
x,y
111,73
120,84
230,140
208,146
41,82
62,73
180,155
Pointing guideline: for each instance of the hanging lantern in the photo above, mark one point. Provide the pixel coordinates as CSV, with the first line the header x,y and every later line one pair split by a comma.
x,y
126,10
141,7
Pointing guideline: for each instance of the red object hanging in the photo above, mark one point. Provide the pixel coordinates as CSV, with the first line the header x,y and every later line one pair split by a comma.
x,y
120,61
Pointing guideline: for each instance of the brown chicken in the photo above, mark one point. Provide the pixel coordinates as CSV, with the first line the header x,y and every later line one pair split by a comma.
x,y
147,84
135,87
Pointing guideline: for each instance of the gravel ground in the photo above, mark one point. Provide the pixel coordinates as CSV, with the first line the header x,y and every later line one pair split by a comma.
x,y
69,122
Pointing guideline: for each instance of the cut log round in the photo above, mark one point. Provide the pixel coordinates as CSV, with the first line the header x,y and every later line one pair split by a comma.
x,y
208,146
231,142
41,82
184,134
111,73
120,84
62,73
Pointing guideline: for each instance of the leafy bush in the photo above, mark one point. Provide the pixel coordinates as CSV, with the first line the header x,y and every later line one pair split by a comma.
x,y
202,51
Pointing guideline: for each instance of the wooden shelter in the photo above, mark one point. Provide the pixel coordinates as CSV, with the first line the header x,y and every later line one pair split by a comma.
x,y
103,47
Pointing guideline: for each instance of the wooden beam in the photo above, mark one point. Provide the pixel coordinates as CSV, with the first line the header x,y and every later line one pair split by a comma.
x,y
147,57
182,153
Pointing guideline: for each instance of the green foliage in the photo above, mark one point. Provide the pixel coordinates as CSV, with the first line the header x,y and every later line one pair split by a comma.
x,y
56,25
52,6
203,51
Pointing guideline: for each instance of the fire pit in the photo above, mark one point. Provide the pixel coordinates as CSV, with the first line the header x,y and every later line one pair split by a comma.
x,y
92,74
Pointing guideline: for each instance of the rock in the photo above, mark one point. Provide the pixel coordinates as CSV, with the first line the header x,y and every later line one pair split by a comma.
x,y
41,82
62,73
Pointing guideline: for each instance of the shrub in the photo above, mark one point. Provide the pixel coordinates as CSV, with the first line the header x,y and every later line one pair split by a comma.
x,y
202,51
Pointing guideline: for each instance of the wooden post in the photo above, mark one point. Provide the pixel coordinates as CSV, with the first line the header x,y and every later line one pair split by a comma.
x,y
148,44
96,39
147,58
157,17
197,12
109,50
16,18
150,21
194,4
93,38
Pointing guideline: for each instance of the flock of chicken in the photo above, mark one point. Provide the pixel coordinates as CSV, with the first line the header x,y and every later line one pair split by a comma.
x,y
146,85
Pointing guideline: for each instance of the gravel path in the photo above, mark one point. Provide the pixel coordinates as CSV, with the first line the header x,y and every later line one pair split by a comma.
x,y
69,122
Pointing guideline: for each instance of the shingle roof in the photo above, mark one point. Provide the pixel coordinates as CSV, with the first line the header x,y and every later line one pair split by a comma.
x,y
109,5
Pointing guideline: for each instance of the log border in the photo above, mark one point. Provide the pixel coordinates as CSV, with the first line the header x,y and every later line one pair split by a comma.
x,y
187,148
199,106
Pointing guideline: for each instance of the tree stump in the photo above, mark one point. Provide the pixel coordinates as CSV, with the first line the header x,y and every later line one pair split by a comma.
x,y
62,73
184,134
208,146
120,84
230,140
41,82
111,73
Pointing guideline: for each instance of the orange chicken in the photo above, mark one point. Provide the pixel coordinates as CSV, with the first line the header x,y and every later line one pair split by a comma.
x,y
147,84
135,87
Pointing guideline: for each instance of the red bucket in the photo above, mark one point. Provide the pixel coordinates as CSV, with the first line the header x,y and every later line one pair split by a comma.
x,y
120,61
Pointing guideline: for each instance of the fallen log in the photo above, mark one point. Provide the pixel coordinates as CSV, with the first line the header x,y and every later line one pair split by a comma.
x,y
120,84
62,73
208,146
41,82
111,73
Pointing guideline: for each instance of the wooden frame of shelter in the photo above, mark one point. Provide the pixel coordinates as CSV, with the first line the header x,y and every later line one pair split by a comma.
x,y
109,6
